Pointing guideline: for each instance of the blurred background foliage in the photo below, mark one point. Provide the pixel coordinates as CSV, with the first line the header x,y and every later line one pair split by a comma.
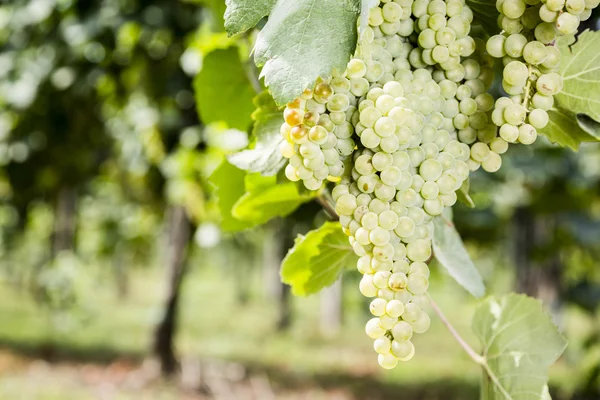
x,y
115,272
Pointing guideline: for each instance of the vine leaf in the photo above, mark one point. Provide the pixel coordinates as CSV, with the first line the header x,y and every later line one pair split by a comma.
x,y
317,259
264,156
229,187
242,15
450,251
520,342
580,69
463,194
570,130
265,199
223,91
486,13
305,39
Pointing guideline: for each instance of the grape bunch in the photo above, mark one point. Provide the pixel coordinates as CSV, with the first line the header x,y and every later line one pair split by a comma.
x,y
527,47
400,129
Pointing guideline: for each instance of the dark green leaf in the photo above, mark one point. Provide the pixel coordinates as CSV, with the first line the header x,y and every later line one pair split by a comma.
x,y
520,342
305,39
242,15
486,13
223,91
317,259
450,251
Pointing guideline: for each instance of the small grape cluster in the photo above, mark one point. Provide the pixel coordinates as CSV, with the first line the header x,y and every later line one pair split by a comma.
x,y
527,47
317,133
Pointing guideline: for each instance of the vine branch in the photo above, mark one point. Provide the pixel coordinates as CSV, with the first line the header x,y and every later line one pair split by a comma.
x,y
466,347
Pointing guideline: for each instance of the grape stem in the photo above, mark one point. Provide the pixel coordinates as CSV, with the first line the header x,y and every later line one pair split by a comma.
x,y
477,358
466,347
527,88
327,206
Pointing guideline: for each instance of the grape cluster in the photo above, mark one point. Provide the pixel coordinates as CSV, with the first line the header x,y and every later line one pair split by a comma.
x,y
531,59
317,132
402,127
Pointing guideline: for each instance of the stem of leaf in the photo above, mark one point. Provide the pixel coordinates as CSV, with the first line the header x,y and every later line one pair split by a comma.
x,y
478,359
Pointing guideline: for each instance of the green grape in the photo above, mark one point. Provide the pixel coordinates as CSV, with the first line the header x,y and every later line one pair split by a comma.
x,y
445,36
515,73
468,106
555,5
546,32
499,145
440,54
437,21
530,18
513,8
485,102
514,44
403,351
535,53
527,134
479,151
392,12
510,25
509,133
567,23
402,331
515,114
375,16
467,135
549,84
454,7
457,74
427,38
459,26
575,7
492,163
421,324
461,121
538,118
495,46
547,15
448,88
552,58
436,7
542,101
463,92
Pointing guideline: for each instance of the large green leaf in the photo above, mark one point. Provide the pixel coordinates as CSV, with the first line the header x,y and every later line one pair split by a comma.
x,y
305,39
520,343
317,259
486,13
223,91
229,183
580,69
450,251
264,156
242,15
570,130
265,200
